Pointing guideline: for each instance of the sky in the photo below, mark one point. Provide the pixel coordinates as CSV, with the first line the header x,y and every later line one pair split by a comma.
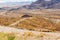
x,y
17,0
47,0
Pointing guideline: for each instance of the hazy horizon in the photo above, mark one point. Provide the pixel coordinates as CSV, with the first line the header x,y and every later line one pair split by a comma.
x,y
2,1
13,4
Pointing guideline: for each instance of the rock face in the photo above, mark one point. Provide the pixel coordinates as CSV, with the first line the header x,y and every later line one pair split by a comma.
x,y
41,4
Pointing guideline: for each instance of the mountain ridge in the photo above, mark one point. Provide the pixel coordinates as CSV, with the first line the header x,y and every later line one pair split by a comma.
x,y
42,4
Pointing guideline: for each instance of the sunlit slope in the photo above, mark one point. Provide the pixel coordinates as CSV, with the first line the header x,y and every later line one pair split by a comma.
x,y
36,23
8,20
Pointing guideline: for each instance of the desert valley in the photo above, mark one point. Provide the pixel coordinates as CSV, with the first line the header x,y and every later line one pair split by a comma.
x,y
37,21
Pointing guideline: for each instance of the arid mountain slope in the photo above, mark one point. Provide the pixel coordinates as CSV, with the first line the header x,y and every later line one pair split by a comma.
x,y
36,23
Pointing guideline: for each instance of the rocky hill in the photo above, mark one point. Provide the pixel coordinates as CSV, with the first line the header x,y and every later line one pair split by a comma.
x,y
43,4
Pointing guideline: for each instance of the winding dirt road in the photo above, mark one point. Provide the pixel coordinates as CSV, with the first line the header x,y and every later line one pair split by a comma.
x,y
19,21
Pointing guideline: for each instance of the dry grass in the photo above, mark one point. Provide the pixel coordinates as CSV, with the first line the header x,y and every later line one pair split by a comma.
x,y
8,20
36,23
